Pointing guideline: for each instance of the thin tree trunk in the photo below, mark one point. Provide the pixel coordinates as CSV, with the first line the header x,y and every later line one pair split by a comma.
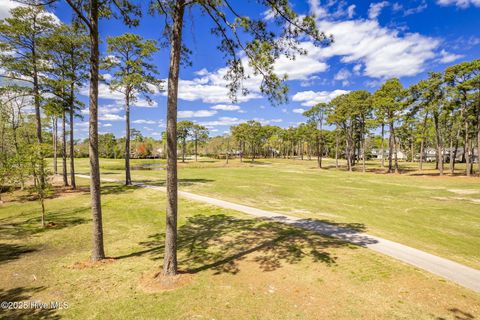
x,y
128,178
38,120
98,252
439,144
390,147
170,257
383,145
336,148
196,148
64,149
478,142
72,150
466,150
422,143
55,143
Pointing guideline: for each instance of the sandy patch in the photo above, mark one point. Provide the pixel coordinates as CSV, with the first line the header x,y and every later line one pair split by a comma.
x,y
464,191
154,282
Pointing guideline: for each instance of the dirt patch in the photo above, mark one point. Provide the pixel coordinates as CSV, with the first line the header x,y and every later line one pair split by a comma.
x,y
463,191
153,282
91,264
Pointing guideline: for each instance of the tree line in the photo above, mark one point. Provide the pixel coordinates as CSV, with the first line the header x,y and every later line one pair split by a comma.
x,y
441,112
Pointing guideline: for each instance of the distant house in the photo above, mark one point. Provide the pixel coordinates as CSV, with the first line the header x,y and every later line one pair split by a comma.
x,y
376,153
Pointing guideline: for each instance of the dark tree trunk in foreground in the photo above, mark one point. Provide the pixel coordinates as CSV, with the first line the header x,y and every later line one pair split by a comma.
x,y
383,145
38,119
55,143
72,150
64,150
98,252
128,178
170,257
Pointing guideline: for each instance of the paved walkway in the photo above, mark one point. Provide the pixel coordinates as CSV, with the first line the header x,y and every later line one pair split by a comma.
x,y
453,271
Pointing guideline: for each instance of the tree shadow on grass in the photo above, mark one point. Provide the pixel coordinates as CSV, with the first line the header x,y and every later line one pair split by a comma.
x,y
459,315
23,295
15,227
181,182
117,189
9,252
219,242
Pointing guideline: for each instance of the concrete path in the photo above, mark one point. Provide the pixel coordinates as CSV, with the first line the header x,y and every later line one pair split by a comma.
x,y
453,271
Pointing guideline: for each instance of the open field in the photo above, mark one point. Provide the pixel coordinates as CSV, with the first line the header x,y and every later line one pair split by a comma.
x,y
245,268
435,214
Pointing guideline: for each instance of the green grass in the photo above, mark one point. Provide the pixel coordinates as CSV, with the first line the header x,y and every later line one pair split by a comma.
x,y
428,212
239,267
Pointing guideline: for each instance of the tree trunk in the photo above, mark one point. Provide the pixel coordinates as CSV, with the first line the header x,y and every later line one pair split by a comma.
x,y
478,142
55,143
336,148
72,150
390,147
196,148
38,119
439,144
184,146
170,257
422,143
383,145
64,149
128,178
466,150
98,252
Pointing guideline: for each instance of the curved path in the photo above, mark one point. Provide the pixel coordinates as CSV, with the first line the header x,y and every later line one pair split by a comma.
x,y
453,271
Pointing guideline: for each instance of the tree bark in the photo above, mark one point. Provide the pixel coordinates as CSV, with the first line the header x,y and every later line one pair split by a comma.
x,y
128,178
196,148
466,150
170,257
98,252
383,145
336,147
439,144
55,143
38,120
73,185
64,149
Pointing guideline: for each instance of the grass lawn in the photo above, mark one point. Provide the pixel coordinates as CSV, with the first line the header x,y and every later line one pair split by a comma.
x,y
235,267
437,214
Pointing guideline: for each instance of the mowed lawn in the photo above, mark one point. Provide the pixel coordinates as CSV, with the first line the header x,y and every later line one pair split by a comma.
x,y
233,266
440,215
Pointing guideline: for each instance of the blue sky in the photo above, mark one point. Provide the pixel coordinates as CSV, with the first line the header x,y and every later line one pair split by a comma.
x,y
373,41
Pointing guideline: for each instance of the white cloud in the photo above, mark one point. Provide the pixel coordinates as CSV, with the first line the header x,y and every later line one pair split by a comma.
x,y
111,117
267,121
223,121
299,110
343,74
311,98
196,113
107,125
226,107
383,51
447,57
375,9
142,121
104,92
459,3
351,11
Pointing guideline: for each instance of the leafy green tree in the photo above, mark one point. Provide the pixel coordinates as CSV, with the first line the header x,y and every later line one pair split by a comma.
x,y
316,116
388,101
67,49
200,135
134,75
184,131
239,132
22,57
